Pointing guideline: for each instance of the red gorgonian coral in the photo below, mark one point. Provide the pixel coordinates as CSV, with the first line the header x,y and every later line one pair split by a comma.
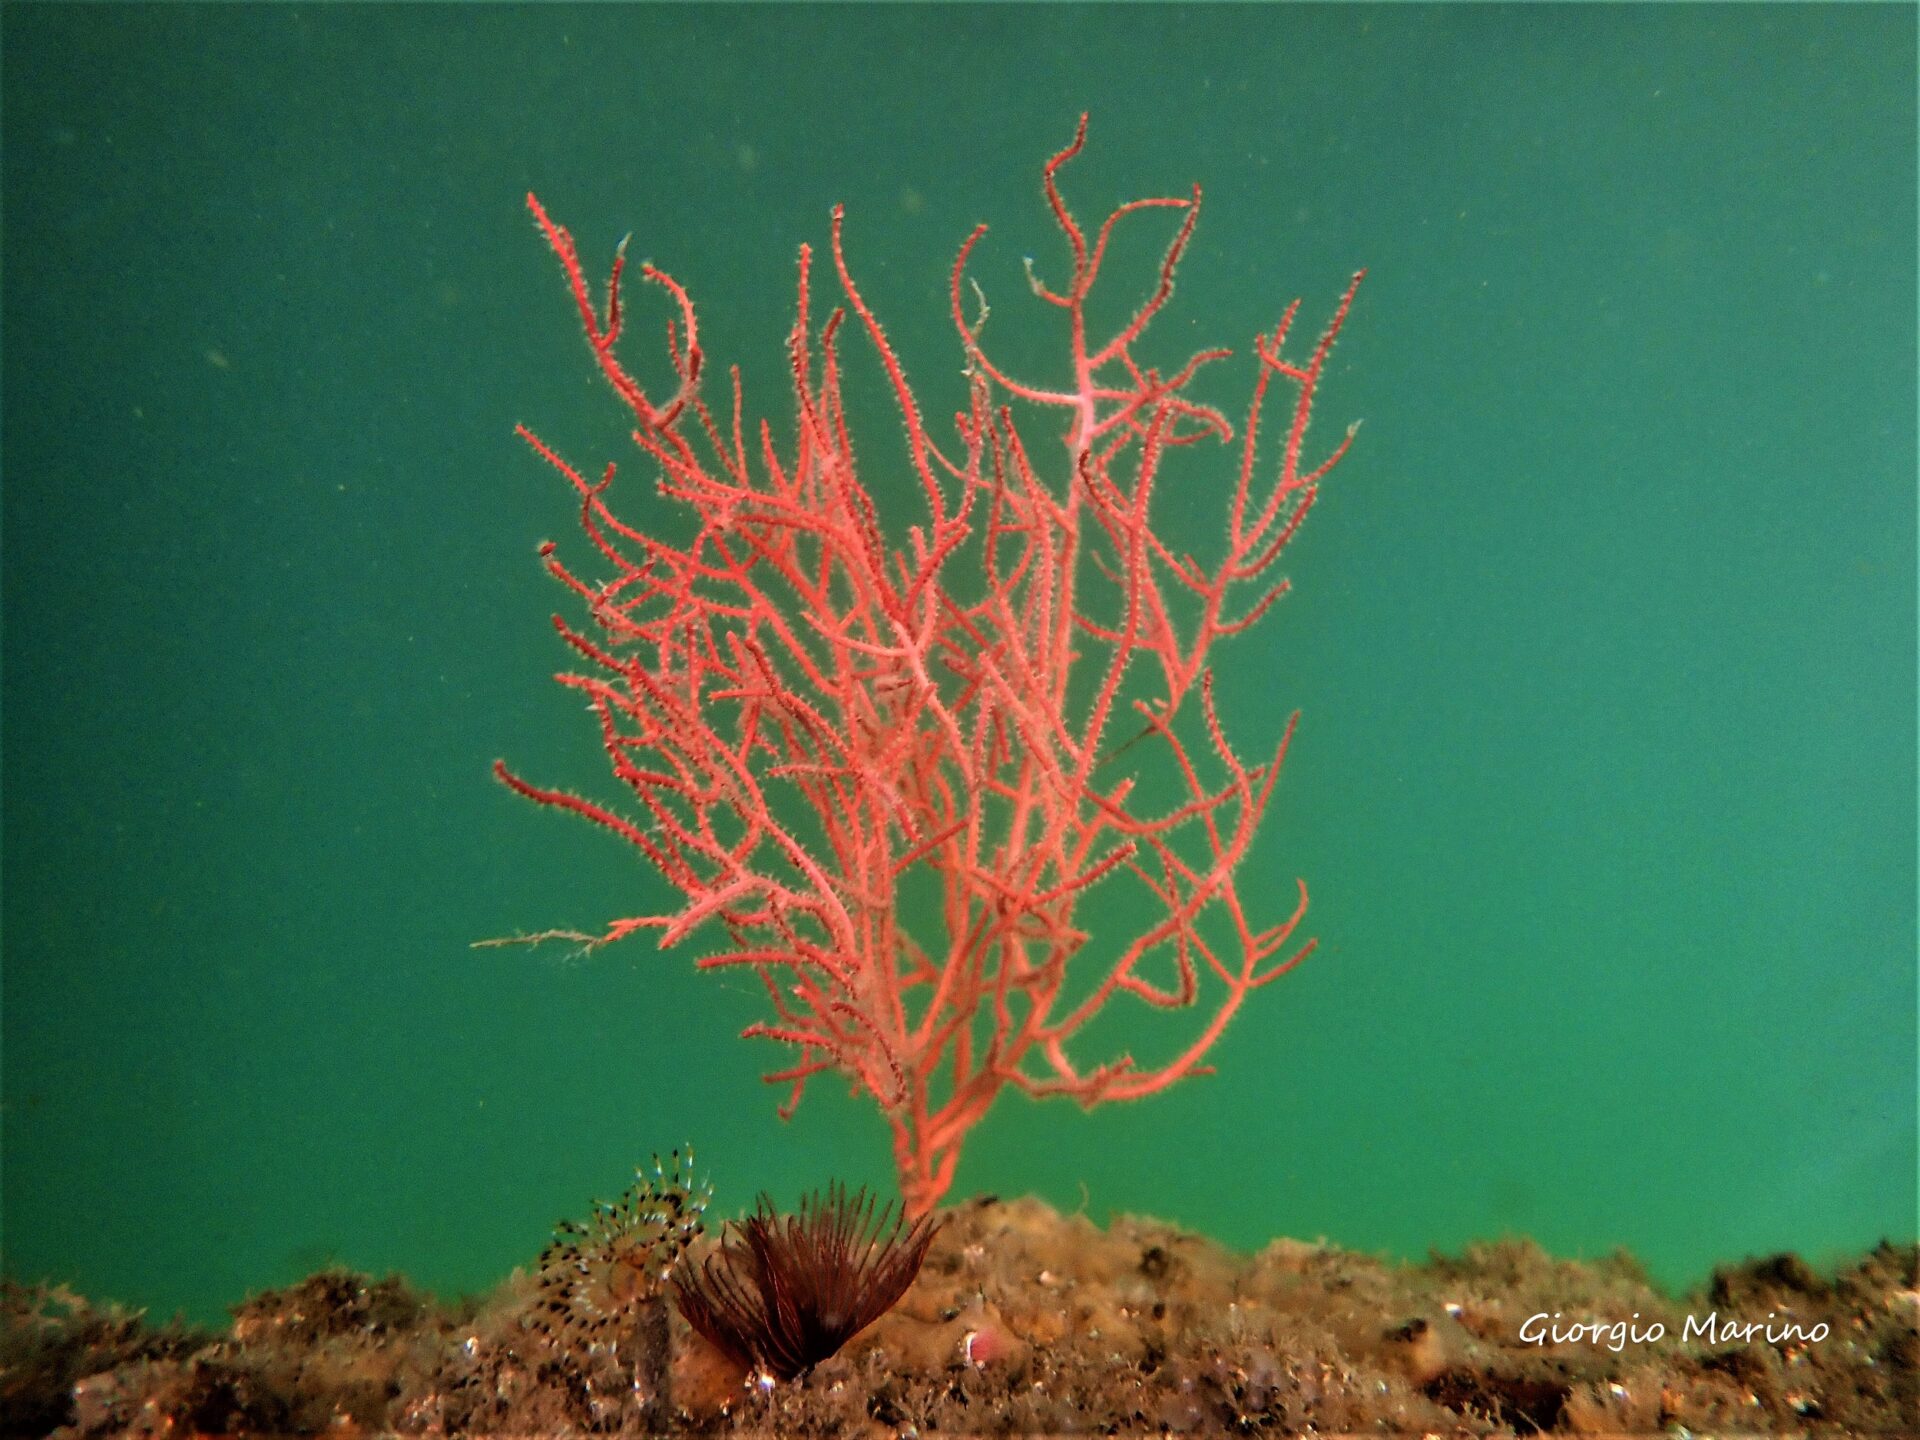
x,y
878,756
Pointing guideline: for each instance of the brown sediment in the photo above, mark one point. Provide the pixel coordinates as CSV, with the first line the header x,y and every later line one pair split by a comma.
x,y
1024,1321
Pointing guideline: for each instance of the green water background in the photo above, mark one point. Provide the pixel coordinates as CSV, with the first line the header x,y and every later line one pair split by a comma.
x,y
1603,638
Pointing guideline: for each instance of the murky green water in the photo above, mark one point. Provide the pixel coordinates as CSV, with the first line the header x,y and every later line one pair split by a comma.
x,y
1603,638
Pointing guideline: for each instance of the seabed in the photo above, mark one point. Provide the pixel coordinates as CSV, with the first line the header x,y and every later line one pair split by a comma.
x,y
1027,1322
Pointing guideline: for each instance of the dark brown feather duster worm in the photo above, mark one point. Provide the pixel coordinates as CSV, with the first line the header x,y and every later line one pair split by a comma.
x,y
784,1292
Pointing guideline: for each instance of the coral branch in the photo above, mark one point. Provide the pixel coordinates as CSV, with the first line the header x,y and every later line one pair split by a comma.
x,y
814,700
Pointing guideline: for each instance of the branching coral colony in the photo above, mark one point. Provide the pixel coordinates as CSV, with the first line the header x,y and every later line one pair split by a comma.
x,y
879,757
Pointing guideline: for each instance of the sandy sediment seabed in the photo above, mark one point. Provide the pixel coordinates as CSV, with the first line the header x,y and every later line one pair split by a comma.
x,y
1024,1321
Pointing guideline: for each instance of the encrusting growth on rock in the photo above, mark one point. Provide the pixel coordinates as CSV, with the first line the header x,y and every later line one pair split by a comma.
x,y
1024,1321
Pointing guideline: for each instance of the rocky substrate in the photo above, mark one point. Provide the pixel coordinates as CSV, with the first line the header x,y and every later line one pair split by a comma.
x,y
1025,1321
